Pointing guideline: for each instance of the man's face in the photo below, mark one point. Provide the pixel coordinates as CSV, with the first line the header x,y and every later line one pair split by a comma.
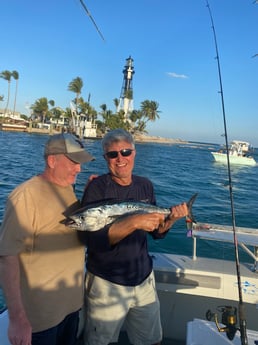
x,y
65,170
122,165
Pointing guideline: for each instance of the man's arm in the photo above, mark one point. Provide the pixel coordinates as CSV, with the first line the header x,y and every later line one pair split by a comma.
x,y
122,228
19,331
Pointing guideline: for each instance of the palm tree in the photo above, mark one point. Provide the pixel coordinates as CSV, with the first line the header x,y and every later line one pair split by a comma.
x,y
51,102
87,109
135,117
116,103
76,86
103,113
149,110
15,76
1,98
7,76
41,107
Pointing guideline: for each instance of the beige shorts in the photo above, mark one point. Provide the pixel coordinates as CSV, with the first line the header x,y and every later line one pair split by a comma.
x,y
109,306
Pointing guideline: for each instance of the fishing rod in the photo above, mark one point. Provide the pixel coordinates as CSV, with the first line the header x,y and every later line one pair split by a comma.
x,y
92,19
241,309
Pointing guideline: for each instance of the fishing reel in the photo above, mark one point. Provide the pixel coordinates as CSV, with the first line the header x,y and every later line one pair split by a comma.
x,y
228,318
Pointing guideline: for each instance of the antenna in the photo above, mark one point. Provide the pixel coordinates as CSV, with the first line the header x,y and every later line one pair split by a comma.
x,y
242,320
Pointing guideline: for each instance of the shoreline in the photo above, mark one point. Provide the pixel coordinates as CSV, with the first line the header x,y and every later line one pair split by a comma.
x,y
143,138
139,138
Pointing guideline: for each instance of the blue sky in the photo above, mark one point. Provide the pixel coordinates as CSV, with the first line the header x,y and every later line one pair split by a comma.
x,y
52,42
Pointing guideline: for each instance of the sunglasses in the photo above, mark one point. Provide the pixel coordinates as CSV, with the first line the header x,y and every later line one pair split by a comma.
x,y
114,154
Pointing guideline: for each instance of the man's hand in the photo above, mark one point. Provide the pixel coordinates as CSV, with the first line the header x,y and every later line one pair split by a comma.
x,y
177,212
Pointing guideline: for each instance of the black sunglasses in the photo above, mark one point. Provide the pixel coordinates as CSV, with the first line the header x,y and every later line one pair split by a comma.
x,y
114,154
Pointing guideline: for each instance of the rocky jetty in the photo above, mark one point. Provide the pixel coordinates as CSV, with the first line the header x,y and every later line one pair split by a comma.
x,y
144,138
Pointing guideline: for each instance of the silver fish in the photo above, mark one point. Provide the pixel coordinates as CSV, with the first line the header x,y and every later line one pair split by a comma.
x,y
93,218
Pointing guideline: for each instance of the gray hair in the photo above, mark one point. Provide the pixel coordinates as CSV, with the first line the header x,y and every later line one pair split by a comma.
x,y
116,136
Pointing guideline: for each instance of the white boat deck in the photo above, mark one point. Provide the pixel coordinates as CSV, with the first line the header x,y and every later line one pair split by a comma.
x,y
198,331
190,286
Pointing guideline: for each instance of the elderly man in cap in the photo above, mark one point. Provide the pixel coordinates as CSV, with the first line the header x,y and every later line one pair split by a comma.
x,y
41,260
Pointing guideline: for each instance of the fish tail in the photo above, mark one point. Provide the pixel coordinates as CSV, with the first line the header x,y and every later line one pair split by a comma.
x,y
190,217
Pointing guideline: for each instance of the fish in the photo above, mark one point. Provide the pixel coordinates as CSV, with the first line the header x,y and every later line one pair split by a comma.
x,y
96,216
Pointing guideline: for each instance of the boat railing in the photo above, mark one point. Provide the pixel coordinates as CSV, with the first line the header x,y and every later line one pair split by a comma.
x,y
246,237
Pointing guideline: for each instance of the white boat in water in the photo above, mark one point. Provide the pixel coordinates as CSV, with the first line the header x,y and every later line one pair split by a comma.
x,y
239,153
13,127
190,286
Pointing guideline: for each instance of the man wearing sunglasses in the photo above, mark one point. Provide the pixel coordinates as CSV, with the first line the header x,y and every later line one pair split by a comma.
x,y
120,285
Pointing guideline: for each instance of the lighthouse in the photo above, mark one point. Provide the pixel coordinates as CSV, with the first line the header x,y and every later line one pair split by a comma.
x,y
126,96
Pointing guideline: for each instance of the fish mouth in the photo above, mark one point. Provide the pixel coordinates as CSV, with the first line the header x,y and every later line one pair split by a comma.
x,y
71,223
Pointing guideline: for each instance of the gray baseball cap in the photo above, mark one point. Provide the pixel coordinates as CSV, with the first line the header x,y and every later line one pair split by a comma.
x,y
69,145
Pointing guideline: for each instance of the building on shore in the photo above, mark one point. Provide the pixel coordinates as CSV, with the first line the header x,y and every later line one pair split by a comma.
x,y
82,125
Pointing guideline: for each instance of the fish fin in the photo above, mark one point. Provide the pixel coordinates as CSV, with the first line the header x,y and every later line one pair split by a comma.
x,y
190,217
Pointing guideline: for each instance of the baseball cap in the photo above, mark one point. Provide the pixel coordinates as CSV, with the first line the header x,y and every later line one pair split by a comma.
x,y
68,145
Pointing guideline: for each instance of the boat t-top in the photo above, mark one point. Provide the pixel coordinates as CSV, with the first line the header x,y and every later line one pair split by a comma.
x,y
239,153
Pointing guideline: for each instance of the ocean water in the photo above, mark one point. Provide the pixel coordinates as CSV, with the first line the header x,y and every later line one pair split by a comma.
x,y
177,172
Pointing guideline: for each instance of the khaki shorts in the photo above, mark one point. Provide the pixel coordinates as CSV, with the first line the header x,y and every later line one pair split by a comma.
x,y
108,306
